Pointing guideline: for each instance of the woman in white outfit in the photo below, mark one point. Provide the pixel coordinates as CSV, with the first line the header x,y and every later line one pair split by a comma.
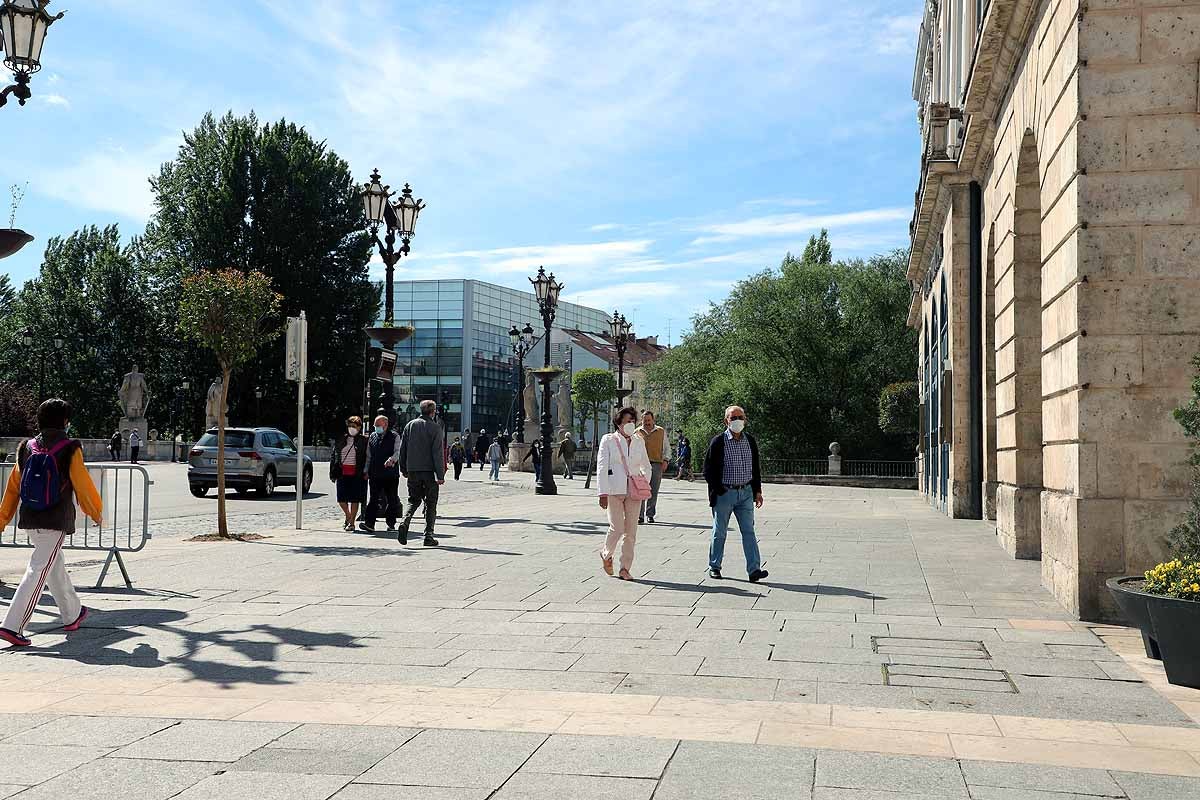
x,y
621,453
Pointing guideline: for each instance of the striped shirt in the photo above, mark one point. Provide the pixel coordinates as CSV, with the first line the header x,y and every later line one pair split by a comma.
x,y
349,454
738,467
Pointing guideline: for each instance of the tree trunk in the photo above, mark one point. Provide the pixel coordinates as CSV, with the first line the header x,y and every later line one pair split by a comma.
x,y
592,463
222,521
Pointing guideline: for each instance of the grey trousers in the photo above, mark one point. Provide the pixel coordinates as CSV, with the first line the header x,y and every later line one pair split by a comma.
x,y
650,507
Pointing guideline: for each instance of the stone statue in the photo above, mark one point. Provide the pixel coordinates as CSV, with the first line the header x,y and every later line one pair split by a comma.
x,y
212,406
532,412
134,394
565,413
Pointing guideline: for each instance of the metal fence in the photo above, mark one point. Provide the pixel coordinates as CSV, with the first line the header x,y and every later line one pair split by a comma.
x,y
125,496
782,467
880,469
795,466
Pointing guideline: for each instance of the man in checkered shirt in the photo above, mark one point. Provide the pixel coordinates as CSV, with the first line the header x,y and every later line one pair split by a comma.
x,y
731,469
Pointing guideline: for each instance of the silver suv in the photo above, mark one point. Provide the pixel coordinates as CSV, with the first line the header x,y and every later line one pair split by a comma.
x,y
255,458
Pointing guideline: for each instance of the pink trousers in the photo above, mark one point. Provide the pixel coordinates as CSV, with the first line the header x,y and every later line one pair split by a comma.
x,y
622,527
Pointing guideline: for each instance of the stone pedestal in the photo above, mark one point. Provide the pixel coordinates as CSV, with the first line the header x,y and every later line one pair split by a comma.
x,y
140,425
516,452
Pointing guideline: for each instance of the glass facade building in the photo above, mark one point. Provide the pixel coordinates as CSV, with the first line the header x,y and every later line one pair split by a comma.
x,y
460,353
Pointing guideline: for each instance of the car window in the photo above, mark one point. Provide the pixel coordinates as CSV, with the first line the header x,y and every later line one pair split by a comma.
x,y
233,439
285,442
269,439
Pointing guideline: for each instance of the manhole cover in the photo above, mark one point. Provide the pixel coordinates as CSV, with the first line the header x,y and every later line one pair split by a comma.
x,y
940,664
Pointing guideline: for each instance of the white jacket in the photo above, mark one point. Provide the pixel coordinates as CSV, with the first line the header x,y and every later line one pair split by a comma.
x,y
610,472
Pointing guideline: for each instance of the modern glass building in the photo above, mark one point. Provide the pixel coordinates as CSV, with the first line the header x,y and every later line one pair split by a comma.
x,y
460,354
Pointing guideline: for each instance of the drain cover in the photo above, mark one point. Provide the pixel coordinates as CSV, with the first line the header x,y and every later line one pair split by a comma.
x,y
940,664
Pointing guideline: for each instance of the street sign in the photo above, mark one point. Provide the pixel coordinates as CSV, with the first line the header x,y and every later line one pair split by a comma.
x,y
295,364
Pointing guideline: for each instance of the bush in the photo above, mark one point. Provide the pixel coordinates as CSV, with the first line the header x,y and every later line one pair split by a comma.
x,y
899,405
1175,579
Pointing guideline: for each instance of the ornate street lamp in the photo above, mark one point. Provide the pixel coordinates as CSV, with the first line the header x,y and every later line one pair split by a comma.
x,y
400,218
522,343
23,26
258,395
547,290
27,339
622,334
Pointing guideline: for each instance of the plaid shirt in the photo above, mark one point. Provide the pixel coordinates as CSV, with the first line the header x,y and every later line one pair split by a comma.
x,y
738,469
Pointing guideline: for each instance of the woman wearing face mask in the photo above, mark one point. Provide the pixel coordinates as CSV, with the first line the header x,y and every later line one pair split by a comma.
x,y
621,455
346,469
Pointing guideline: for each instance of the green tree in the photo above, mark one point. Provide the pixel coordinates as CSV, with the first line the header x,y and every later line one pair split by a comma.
x,y
8,295
592,389
231,314
269,198
806,349
818,250
18,410
899,407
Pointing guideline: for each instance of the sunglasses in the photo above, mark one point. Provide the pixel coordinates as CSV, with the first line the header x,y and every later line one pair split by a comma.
x,y
731,419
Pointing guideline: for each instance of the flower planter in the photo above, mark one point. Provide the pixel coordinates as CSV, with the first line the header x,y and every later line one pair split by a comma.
x,y
12,240
1170,629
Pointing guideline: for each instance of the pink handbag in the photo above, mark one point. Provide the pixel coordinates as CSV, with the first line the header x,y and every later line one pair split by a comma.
x,y
638,487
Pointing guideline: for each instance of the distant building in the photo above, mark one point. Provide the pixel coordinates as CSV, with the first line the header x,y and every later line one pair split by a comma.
x,y
588,349
1054,274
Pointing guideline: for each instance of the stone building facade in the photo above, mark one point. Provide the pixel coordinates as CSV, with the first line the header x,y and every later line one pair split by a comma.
x,y
1055,263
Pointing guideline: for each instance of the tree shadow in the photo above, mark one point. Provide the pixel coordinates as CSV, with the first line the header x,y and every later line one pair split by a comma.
x,y
475,551
345,551
579,528
482,522
97,643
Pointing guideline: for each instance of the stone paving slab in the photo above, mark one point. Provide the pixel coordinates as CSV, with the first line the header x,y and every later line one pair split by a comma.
x,y
233,658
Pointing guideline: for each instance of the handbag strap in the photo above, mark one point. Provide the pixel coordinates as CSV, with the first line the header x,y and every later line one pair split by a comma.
x,y
621,453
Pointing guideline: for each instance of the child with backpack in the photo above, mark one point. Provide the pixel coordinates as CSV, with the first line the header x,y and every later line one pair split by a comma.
x,y
49,475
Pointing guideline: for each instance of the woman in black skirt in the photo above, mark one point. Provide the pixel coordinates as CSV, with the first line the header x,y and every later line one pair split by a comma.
x,y
346,469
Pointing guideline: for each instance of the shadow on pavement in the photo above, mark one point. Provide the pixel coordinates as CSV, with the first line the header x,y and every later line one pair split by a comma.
x,y
96,643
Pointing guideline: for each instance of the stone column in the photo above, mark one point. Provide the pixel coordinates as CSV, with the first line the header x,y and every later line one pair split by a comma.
x,y
835,459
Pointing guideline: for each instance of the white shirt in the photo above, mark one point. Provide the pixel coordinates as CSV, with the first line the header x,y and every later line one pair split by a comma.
x,y
612,479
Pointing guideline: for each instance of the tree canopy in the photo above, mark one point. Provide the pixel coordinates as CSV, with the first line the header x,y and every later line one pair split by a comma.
x,y
806,349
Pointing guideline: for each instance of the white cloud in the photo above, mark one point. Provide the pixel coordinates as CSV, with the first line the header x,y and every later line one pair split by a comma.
x,y
898,35
112,179
624,294
792,224
563,259
605,226
55,100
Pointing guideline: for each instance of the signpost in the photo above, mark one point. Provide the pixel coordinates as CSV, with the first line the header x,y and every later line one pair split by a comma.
x,y
296,369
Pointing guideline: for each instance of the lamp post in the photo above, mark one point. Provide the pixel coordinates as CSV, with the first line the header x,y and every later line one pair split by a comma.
x,y
181,401
27,340
547,290
622,334
23,26
258,393
522,343
399,218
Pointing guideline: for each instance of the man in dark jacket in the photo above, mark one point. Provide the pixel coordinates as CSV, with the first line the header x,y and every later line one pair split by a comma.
x,y
482,443
731,469
383,476
423,462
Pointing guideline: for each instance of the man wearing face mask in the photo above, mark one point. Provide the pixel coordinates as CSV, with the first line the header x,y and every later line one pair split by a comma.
x,y
383,476
731,469
423,461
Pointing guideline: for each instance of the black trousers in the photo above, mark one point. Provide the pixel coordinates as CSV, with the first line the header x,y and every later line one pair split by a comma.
x,y
385,501
133,454
457,469
422,487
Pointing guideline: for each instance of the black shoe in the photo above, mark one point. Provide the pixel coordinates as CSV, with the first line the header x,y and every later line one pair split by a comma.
x,y
650,520
714,573
402,534
758,575
391,528
430,541
641,521
368,528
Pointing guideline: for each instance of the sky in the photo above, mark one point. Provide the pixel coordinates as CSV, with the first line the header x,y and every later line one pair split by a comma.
x,y
649,152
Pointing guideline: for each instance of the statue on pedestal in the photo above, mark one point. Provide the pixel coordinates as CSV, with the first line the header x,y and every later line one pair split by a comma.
x,y
566,414
533,410
134,396
212,406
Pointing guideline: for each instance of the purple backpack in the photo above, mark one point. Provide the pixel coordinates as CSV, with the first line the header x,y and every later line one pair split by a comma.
x,y
41,482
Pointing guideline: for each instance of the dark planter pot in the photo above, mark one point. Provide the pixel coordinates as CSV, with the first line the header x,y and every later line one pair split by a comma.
x,y
12,240
1170,629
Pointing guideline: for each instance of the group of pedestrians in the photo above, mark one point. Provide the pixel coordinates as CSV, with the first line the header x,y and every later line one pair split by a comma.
x,y
374,464
630,463
135,446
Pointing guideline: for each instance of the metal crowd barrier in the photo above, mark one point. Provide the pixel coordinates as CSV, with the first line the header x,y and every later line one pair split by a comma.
x,y
125,521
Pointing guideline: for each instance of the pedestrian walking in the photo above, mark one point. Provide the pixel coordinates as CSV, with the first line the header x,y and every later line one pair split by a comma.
x,y
347,469
423,464
42,489
457,455
623,476
493,454
566,451
114,446
731,469
656,450
535,452
469,445
505,439
482,443
135,444
683,454
383,476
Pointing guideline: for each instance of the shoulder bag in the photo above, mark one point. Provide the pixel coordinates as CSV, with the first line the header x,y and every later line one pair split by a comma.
x,y
638,487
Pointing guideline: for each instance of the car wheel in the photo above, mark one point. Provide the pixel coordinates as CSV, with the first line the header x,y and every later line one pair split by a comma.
x,y
198,490
308,478
267,489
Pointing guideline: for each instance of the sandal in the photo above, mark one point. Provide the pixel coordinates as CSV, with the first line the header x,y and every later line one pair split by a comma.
x,y
625,576
607,563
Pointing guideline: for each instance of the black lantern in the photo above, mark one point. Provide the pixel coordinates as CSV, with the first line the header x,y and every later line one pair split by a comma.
x,y
547,289
622,334
407,210
374,198
23,26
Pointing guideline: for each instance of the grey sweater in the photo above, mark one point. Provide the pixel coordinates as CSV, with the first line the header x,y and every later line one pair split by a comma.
x,y
421,448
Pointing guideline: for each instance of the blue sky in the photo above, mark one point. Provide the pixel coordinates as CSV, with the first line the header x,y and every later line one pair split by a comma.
x,y
650,152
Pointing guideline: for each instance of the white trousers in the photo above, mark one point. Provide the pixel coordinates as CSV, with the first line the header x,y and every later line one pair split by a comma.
x,y
46,570
622,528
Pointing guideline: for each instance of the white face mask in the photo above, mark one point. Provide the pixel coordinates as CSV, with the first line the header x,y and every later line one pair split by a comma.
x,y
738,425
628,428
352,431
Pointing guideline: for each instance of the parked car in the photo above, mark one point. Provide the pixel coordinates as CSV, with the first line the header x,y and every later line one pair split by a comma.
x,y
255,458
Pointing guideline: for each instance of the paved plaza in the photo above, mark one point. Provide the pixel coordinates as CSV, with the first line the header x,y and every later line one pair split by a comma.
x,y
893,654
